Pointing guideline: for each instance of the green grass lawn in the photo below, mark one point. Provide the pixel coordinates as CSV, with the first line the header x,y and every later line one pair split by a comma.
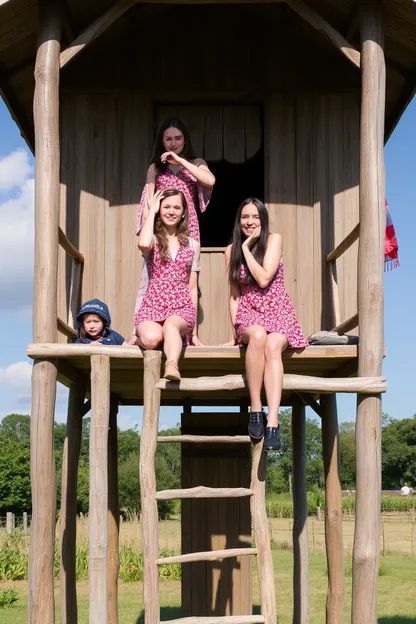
x,y
396,603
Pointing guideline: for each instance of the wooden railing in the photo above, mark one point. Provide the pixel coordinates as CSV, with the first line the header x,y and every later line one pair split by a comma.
x,y
344,245
75,289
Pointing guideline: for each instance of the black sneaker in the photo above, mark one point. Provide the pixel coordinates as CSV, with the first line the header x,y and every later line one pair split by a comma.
x,y
272,439
256,425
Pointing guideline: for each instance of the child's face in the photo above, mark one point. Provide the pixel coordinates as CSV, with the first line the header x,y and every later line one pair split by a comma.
x,y
93,325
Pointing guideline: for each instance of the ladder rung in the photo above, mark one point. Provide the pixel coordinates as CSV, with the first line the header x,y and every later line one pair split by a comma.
x,y
226,619
209,555
239,439
203,492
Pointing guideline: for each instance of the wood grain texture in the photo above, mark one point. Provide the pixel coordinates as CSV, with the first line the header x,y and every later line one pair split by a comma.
x,y
261,533
149,515
44,374
296,383
203,492
43,485
333,511
98,508
68,515
198,439
95,30
366,549
211,555
301,611
332,35
113,564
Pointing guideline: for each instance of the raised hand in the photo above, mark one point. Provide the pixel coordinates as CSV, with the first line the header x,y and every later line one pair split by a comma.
x,y
252,239
153,202
171,158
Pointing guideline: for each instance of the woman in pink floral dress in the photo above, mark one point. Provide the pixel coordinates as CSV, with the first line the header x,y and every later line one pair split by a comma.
x,y
262,313
174,165
168,311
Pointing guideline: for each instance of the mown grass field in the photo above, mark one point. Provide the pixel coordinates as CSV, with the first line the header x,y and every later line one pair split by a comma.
x,y
397,594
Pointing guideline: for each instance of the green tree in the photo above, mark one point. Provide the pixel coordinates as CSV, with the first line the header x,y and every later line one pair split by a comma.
x,y
347,454
399,453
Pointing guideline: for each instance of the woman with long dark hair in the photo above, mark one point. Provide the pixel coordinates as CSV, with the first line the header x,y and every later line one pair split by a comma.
x,y
174,165
262,314
168,311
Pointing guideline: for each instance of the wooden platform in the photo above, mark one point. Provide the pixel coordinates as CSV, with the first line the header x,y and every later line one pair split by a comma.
x,y
127,368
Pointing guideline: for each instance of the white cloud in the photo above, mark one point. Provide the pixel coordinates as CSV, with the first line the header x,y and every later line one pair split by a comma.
x,y
14,170
16,379
16,233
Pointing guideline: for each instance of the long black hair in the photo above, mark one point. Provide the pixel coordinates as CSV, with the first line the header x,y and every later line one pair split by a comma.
x,y
159,148
259,249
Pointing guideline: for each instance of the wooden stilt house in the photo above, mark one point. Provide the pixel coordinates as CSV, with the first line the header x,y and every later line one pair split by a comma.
x,y
290,101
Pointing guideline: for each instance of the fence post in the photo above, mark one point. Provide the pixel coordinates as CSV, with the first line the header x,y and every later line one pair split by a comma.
x,y
9,523
25,522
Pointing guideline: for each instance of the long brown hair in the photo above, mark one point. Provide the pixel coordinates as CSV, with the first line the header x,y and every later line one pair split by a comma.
x,y
259,250
181,230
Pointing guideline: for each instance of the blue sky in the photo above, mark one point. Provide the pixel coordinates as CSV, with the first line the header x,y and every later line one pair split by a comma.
x,y
16,268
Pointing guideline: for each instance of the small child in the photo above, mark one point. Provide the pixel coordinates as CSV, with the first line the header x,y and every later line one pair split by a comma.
x,y
93,325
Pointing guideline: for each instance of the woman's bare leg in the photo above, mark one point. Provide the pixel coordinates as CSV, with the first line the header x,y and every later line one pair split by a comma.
x,y
255,338
174,328
273,375
149,335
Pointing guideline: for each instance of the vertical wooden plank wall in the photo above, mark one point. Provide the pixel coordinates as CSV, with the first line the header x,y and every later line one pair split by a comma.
x,y
107,143
310,159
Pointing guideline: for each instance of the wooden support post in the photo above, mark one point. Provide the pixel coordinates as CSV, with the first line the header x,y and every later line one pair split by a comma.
x,y
149,514
98,510
43,484
300,517
261,534
9,523
366,551
24,522
113,515
68,518
44,374
333,511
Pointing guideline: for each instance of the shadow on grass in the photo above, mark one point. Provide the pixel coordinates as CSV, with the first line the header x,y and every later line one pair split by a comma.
x,y
173,613
397,619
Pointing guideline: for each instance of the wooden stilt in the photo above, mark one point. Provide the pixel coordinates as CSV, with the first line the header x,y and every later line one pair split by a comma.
x,y
333,511
113,515
370,309
98,510
43,484
300,517
261,533
42,464
149,514
68,517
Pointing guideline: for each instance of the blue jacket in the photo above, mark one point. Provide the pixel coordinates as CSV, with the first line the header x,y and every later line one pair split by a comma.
x,y
95,306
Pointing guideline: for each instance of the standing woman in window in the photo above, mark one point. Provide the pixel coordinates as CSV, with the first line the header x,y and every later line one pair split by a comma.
x,y
175,165
262,314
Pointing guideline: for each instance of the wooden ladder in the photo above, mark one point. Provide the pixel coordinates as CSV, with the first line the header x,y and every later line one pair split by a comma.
x,y
149,513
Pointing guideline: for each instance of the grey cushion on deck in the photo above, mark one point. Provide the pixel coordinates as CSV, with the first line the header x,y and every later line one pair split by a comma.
x,y
332,338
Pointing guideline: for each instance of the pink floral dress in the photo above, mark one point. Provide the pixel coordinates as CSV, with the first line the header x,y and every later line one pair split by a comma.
x,y
269,307
194,193
168,290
